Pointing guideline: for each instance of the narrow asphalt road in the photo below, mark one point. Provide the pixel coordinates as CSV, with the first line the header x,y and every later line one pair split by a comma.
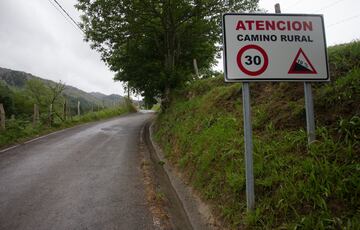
x,y
87,177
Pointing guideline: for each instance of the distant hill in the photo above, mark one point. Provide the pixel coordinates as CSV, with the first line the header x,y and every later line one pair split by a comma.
x,y
107,99
17,80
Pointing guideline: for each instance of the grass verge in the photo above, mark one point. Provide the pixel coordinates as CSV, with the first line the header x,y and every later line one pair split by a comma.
x,y
296,186
18,130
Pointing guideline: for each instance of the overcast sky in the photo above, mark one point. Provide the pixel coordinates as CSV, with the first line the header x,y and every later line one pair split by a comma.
x,y
342,17
36,38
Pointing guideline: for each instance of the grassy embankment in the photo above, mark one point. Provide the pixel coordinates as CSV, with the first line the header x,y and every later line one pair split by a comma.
x,y
295,187
18,130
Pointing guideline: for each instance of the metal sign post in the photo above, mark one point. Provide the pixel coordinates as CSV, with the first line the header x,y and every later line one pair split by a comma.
x,y
250,194
310,117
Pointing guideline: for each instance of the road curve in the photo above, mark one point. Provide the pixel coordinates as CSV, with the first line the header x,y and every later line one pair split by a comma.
x,y
87,177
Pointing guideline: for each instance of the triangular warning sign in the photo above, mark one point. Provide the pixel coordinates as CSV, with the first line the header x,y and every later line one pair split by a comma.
x,y
301,64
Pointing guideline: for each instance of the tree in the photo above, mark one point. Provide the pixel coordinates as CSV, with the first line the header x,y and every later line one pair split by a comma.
x,y
56,91
39,92
6,98
47,96
150,44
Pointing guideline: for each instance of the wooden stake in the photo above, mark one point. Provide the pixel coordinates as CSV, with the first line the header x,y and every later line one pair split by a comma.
x,y
196,69
78,108
50,114
64,110
36,115
2,117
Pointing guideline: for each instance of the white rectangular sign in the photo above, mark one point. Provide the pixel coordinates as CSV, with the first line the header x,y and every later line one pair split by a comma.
x,y
274,47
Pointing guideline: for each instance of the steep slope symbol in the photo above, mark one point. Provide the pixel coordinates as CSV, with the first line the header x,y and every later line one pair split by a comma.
x,y
301,64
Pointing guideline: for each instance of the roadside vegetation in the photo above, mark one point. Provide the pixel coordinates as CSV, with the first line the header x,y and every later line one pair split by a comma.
x,y
22,122
296,186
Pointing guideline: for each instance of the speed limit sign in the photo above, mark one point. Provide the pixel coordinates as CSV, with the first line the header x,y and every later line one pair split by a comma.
x,y
274,47
252,60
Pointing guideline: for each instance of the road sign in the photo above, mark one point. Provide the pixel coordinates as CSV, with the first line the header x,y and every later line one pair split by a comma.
x,y
274,47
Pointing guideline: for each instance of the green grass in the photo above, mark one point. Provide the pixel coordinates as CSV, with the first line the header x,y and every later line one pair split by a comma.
x,y
18,130
156,107
296,186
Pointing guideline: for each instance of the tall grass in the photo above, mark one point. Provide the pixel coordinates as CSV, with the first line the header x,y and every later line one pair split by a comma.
x,y
296,186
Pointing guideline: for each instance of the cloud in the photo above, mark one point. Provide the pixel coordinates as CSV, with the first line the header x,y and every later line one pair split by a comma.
x,y
36,38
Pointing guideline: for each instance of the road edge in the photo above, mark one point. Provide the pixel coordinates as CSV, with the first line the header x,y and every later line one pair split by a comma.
x,y
198,212
179,218
44,135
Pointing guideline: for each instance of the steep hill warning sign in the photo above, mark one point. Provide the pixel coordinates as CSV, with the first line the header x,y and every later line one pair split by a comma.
x,y
274,47
302,64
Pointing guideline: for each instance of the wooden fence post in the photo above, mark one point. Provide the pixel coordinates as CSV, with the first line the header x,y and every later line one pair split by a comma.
x,y
36,115
2,117
196,69
78,108
50,114
64,110
68,110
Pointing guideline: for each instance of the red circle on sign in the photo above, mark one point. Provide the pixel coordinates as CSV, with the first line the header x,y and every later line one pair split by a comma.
x,y
249,72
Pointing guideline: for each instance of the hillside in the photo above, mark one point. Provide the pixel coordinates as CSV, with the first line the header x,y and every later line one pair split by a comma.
x,y
17,80
107,100
296,186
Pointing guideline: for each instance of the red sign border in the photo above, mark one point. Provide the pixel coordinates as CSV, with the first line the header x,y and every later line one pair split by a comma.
x,y
246,71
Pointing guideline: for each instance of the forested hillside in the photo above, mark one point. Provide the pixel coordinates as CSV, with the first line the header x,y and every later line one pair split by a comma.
x,y
13,86
35,106
296,186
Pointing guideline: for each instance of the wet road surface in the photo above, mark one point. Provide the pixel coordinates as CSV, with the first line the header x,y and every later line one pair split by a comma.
x,y
87,177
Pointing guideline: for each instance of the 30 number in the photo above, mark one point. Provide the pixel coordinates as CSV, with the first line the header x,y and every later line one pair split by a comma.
x,y
253,60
